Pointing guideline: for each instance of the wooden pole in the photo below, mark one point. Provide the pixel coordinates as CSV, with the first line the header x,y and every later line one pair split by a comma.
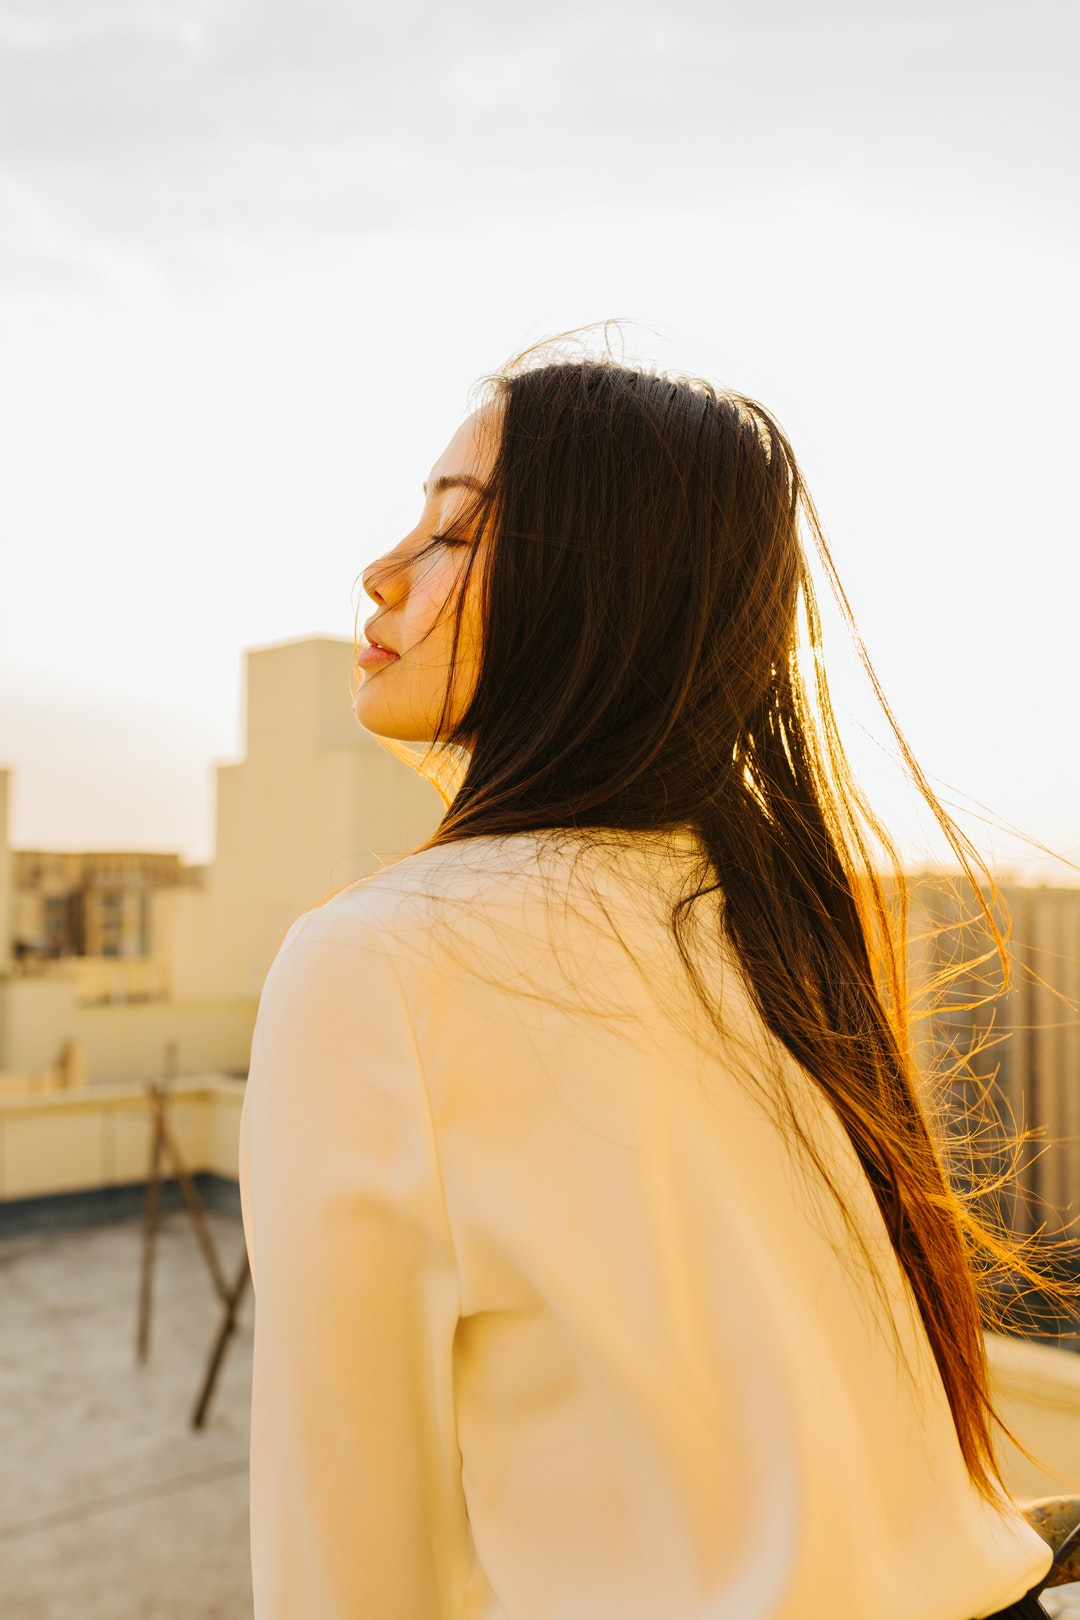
x,y
163,1143
195,1210
151,1211
225,1333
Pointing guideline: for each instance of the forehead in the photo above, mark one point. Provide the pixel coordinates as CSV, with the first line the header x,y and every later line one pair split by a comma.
x,y
471,451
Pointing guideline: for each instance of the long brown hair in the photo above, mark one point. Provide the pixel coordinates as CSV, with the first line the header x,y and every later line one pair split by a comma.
x,y
650,528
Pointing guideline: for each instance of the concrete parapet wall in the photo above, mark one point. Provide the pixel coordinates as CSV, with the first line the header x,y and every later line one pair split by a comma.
x,y
121,1041
101,1137
128,1043
1038,1389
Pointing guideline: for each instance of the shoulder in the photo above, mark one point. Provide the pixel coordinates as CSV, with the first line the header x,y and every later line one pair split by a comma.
x,y
528,912
358,979
388,905
402,912
492,873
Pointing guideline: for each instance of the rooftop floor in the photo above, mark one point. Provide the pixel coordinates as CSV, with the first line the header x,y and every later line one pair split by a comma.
x,y
111,1506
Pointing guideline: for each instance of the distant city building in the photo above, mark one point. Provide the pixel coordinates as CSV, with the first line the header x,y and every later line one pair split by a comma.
x,y
88,905
1015,1054
118,965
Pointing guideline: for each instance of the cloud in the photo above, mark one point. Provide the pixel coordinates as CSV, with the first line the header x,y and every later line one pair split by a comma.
x,y
167,128
40,26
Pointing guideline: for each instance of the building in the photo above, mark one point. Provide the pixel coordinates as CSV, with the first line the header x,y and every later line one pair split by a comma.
x,y
1007,1054
87,905
128,965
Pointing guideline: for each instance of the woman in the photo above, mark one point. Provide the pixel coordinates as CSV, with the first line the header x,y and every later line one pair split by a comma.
x,y
605,1265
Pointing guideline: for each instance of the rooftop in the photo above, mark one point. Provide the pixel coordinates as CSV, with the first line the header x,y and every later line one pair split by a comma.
x,y
111,1506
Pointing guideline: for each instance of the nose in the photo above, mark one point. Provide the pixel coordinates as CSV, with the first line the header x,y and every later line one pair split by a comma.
x,y
368,580
378,578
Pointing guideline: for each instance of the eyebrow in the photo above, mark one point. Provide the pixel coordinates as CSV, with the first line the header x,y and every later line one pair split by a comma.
x,y
455,481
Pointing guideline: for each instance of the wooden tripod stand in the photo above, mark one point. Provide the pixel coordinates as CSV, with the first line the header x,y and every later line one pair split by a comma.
x,y
163,1143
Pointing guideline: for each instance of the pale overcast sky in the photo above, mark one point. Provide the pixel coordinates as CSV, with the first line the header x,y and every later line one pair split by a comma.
x,y
253,253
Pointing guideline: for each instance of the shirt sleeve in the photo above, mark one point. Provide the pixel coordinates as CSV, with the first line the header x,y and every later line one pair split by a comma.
x,y
357,1506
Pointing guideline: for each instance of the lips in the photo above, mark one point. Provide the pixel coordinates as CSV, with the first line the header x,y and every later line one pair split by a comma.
x,y
374,654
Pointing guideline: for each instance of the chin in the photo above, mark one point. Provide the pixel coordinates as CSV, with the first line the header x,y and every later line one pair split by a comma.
x,y
378,717
369,711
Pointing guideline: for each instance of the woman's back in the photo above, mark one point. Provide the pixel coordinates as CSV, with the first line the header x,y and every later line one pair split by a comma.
x,y
594,1333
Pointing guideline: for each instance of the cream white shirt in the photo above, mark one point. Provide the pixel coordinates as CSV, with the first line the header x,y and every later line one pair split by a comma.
x,y
551,1321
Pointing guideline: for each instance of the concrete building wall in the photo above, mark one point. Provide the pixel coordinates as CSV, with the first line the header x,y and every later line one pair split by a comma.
x,y
180,927
315,803
7,894
128,1043
36,1017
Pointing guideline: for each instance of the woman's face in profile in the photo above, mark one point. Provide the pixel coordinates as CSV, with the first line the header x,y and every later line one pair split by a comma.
x,y
405,659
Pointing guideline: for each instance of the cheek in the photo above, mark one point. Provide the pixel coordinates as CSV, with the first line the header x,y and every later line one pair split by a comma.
x,y
469,644
471,621
431,615
430,608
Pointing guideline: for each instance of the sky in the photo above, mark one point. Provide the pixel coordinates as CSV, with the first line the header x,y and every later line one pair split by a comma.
x,y
253,256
